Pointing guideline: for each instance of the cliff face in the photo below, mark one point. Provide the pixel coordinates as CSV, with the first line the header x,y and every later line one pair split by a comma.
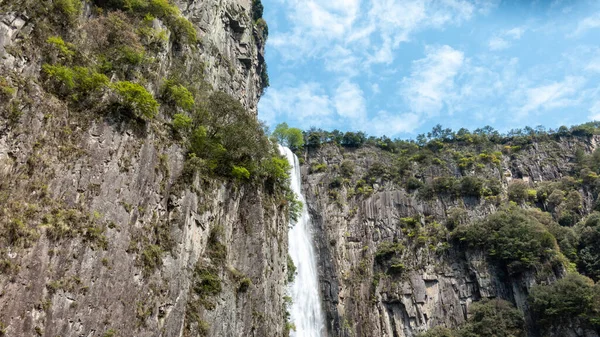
x,y
433,279
101,234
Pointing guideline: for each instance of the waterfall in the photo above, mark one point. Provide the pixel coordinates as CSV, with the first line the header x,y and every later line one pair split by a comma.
x,y
306,312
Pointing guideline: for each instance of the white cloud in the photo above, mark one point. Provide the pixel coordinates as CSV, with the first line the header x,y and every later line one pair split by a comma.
x,y
498,43
370,29
385,123
375,88
594,64
503,40
515,33
350,103
551,96
586,24
304,105
432,79
595,111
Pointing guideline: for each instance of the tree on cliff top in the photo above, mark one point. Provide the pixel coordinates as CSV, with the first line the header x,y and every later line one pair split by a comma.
x,y
290,137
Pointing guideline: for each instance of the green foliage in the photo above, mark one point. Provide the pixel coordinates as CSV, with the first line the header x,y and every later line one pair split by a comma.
x,y
206,284
178,95
18,234
228,136
438,331
347,168
6,90
263,28
353,139
290,137
257,9
216,249
151,259
494,318
513,237
318,167
76,82
264,76
69,9
110,333
518,191
413,183
573,297
589,248
240,173
65,50
136,98
182,29
471,186
387,250
487,318
182,123
295,207
291,269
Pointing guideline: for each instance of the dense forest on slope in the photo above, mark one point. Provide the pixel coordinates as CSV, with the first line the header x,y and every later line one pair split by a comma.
x,y
395,214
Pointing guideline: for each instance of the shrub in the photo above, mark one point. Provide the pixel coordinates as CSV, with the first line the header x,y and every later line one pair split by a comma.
x,y
387,250
263,28
178,95
437,331
518,191
513,237
181,123
137,98
240,173
207,282
257,9
65,49
6,91
570,298
215,248
230,136
589,249
347,169
318,167
471,187
183,30
151,258
445,185
493,318
487,318
413,184
76,81
291,269
70,9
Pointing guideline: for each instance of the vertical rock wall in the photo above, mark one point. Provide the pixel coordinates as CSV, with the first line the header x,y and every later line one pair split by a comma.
x,y
436,284
107,238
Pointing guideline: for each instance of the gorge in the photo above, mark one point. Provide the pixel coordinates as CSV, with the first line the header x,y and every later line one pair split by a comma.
x,y
141,196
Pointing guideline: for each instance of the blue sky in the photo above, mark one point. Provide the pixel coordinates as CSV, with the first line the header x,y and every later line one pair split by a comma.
x,y
398,67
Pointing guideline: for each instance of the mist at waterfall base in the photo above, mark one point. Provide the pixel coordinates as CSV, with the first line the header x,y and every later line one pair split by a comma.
x,y
306,312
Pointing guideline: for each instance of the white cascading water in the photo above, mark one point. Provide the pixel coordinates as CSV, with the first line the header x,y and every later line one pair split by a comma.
x,y
306,312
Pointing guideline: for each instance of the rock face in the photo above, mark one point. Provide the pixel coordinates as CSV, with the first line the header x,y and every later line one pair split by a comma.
x,y
102,235
232,49
437,282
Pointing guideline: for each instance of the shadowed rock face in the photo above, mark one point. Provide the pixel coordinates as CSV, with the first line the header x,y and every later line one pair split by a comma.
x,y
434,285
100,235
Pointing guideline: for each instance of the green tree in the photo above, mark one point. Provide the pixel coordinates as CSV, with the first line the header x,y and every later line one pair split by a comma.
x,y
589,247
572,298
493,318
512,236
290,137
